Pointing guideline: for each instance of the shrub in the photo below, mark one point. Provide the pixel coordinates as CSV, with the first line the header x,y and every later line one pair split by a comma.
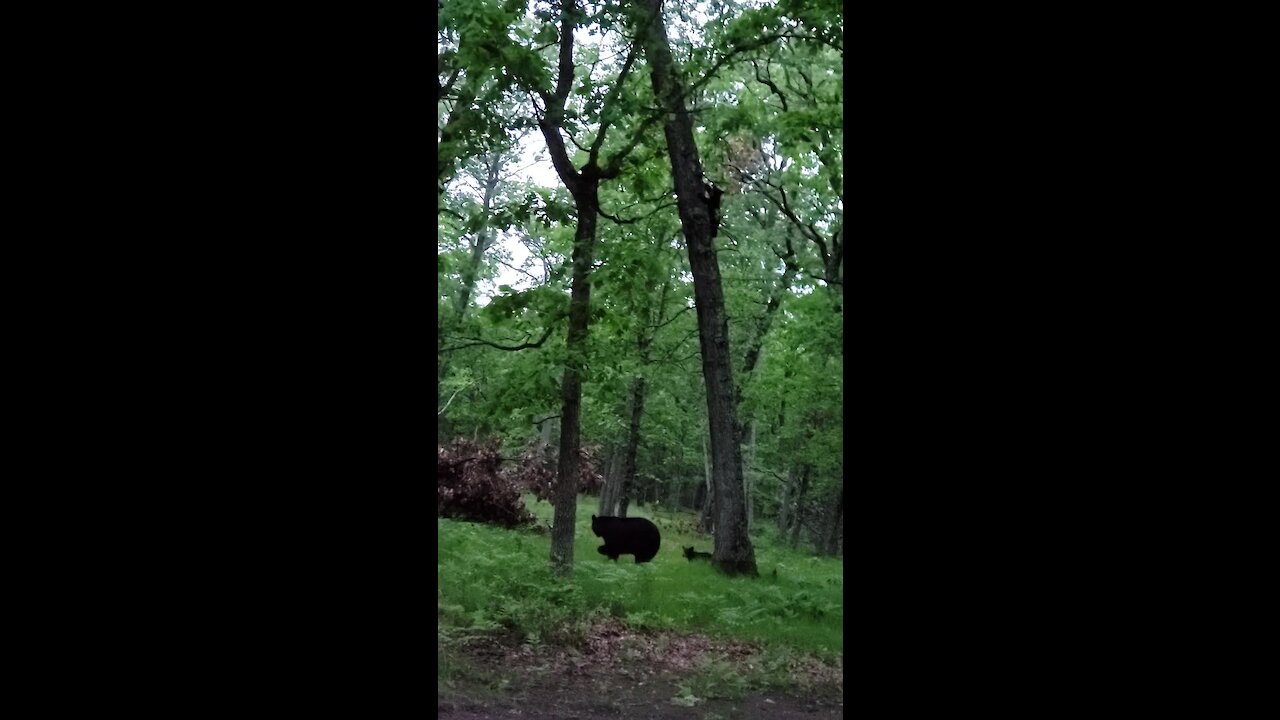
x,y
470,485
535,471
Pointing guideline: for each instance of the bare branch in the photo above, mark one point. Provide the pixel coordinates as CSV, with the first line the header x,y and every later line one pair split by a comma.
x,y
624,221
533,277
524,346
455,394
772,87
610,104
670,320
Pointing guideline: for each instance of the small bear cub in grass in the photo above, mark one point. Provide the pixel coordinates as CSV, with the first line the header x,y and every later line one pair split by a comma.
x,y
690,553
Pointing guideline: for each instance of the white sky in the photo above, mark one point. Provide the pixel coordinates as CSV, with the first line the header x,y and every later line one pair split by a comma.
x,y
542,173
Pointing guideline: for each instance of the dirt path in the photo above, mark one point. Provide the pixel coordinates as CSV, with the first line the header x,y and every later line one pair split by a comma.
x,y
622,674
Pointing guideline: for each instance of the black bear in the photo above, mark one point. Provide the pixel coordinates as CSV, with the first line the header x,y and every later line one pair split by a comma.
x,y
627,536
690,553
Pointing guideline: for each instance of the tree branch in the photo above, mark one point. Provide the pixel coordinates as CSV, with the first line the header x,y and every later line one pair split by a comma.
x,y
772,87
671,319
623,221
610,102
455,394
523,346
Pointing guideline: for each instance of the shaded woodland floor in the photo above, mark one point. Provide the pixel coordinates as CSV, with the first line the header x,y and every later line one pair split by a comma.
x,y
623,673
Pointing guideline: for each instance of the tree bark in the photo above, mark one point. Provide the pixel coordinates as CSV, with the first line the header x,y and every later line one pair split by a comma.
x,y
834,519
707,518
733,553
788,490
566,493
609,491
636,405
584,187
798,516
748,472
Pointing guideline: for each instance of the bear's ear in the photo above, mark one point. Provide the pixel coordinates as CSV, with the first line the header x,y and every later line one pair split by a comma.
x,y
593,517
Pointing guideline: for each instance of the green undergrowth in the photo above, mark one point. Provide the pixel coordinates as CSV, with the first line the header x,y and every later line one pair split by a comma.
x,y
492,579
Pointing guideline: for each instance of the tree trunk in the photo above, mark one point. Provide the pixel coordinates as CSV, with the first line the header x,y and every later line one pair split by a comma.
x,y
584,187
788,490
629,455
566,493
748,473
833,525
798,517
610,492
733,554
707,520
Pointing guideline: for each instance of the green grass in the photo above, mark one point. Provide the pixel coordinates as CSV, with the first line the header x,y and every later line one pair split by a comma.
x,y
492,578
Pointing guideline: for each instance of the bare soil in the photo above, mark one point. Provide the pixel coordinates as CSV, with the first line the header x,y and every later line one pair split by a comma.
x,y
620,673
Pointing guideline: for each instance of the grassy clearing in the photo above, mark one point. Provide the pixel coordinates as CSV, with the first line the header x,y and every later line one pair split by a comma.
x,y
491,578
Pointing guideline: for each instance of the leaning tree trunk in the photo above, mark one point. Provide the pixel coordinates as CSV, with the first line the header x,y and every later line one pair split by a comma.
x,y
733,551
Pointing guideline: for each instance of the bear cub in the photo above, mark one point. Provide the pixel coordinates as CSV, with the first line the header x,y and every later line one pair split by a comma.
x,y
691,554
627,536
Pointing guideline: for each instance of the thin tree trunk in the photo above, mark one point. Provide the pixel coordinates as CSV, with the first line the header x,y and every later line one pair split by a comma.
x,y
609,491
566,492
788,490
833,525
749,473
584,187
733,551
635,404
798,517
707,520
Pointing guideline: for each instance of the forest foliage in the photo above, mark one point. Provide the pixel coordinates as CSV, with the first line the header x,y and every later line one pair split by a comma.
x,y
767,93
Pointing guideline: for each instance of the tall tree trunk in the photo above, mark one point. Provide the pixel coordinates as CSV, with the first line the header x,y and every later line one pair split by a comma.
x,y
635,404
798,517
749,474
584,187
612,477
566,492
707,518
788,490
834,518
733,551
